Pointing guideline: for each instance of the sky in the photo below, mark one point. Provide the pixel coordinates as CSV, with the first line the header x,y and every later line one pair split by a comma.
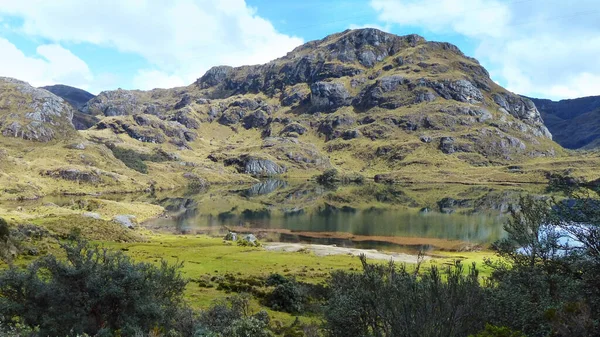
x,y
539,48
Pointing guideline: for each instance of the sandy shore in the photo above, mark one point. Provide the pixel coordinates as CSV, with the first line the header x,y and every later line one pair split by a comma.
x,y
325,250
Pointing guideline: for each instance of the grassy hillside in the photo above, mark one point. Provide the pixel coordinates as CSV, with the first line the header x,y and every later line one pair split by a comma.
x,y
394,108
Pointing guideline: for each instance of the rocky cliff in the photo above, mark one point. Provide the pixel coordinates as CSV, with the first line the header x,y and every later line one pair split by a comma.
x,y
361,101
363,93
77,98
33,114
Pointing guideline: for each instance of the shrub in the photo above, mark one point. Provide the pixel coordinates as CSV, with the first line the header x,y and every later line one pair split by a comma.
x,y
495,331
287,296
390,301
92,291
231,318
135,160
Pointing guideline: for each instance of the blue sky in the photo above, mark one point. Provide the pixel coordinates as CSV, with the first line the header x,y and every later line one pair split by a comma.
x,y
541,48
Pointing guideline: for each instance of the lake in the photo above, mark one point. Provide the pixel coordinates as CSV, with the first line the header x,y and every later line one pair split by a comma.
x,y
453,217
390,217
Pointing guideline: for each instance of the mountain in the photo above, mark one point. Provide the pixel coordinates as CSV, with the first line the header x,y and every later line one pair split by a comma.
x,y
365,95
33,114
365,102
575,123
74,96
77,98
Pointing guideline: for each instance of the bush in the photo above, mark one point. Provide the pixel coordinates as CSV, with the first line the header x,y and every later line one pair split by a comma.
x,y
390,301
287,296
92,291
495,331
136,160
231,318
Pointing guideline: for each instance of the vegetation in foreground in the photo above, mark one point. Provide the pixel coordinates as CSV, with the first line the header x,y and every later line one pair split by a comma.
x,y
545,285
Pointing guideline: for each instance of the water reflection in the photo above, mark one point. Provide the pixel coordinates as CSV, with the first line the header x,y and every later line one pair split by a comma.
x,y
361,215
292,209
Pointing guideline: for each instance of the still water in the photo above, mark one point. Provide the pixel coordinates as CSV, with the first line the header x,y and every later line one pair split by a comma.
x,y
372,215
365,216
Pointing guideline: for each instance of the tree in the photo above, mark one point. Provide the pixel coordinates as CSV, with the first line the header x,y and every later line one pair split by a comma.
x,y
93,291
544,287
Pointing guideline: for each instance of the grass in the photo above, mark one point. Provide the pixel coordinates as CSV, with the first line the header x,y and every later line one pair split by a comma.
x,y
205,256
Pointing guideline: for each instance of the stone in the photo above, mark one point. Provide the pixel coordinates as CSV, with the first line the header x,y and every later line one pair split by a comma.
x,y
33,114
295,95
294,127
351,134
257,119
214,76
250,238
92,215
232,116
73,174
329,126
255,166
328,96
447,145
127,221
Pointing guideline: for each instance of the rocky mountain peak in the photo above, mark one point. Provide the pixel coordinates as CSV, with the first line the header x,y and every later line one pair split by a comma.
x,y
31,113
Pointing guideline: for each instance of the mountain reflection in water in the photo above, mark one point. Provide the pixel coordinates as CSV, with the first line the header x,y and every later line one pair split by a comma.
x,y
347,215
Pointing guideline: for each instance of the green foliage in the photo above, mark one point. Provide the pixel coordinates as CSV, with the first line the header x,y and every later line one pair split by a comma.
x,y
136,160
287,296
332,176
328,177
93,291
391,301
498,331
232,318
550,284
4,231
532,235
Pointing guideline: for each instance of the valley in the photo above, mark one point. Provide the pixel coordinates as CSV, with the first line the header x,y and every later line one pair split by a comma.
x,y
362,143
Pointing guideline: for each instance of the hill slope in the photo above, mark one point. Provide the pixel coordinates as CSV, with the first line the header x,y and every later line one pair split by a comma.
x,y
361,101
369,100
575,123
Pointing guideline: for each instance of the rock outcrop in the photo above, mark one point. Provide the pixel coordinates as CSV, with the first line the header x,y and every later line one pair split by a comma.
x,y
33,114
360,100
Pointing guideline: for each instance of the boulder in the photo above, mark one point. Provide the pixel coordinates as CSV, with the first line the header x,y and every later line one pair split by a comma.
x,y
73,174
232,116
351,134
447,145
328,96
294,127
329,126
297,94
127,221
257,119
255,166
460,90
92,215
185,101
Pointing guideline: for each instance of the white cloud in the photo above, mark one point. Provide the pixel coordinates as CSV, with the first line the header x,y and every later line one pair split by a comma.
x,y
181,39
468,17
533,47
150,79
52,64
